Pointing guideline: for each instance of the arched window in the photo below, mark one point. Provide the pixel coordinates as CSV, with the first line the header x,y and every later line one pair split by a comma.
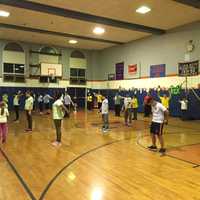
x,y
14,63
77,54
13,47
48,50
78,65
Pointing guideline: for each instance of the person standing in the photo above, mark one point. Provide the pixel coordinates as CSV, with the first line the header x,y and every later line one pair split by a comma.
x,y
67,102
58,114
16,104
184,108
165,100
29,109
99,99
89,101
159,118
135,107
147,108
104,111
46,100
3,121
40,103
117,101
127,110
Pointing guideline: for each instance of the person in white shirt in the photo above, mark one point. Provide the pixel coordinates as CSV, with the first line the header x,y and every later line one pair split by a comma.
x,y
29,109
127,110
159,117
16,104
105,111
40,103
3,121
58,113
68,102
46,100
184,108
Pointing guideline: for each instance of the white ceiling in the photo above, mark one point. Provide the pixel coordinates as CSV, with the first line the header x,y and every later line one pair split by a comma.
x,y
165,14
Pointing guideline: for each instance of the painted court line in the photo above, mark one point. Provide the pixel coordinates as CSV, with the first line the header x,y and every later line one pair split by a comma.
x,y
18,176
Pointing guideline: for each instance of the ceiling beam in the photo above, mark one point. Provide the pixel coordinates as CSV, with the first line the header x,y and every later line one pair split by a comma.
x,y
193,3
34,30
80,16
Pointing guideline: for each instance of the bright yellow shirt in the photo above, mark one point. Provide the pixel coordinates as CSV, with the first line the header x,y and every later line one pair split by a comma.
x,y
134,103
165,101
99,98
89,98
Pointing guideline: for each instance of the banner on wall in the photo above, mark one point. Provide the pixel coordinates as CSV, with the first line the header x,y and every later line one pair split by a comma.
x,y
111,77
119,69
132,69
188,68
157,70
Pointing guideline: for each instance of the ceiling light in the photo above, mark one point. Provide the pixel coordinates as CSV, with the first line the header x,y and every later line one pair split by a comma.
x,y
4,13
98,30
73,41
143,10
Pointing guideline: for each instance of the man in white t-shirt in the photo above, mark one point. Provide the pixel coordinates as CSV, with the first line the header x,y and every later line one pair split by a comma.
x,y
58,110
104,111
68,101
184,108
159,117
16,104
46,100
29,109
127,110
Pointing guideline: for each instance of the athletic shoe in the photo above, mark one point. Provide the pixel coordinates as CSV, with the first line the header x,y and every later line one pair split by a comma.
x,y
105,130
162,150
152,147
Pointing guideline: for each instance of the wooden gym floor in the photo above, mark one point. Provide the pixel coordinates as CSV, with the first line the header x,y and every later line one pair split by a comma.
x,y
92,166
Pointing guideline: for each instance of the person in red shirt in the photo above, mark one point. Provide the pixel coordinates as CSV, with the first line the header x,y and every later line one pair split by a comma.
x,y
147,108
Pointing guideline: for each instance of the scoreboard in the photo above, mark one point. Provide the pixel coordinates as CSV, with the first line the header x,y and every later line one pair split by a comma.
x,y
188,68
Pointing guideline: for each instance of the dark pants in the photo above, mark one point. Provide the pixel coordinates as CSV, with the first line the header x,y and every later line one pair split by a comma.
x,y
16,112
89,105
117,109
57,123
128,116
41,106
99,105
105,121
184,115
29,119
67,114
135,113
147,110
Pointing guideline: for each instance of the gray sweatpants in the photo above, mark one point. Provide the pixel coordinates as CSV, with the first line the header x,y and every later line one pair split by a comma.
x,y
105,121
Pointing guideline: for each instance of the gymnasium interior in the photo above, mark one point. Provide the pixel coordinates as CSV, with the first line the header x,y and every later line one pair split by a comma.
x,y
133,48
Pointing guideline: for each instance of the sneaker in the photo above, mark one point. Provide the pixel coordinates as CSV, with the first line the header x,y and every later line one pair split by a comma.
x,y
162,150
55,143
105,130
152,147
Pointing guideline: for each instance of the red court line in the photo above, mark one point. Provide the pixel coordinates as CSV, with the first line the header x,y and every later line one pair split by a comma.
x,y
189,153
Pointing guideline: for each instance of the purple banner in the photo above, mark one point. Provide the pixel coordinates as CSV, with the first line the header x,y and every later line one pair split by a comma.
x,y
119,69
157,71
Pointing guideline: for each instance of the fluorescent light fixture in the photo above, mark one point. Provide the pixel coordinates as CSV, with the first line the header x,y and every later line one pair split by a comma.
x,y
73,41
4,13
143,10
98,30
